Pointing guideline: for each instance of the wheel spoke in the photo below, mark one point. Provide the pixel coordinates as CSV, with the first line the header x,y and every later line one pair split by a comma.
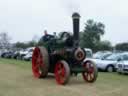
x,y
62,72
59,66
91,70
88,76
91,74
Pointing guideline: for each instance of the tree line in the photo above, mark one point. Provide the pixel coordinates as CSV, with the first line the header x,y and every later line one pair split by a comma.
x,y
90,37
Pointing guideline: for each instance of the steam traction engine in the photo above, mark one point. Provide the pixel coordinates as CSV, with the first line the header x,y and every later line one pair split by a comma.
x,y
63,57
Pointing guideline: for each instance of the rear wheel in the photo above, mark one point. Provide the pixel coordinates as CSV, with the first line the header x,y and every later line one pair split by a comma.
x,y
40,62
62,72
91,74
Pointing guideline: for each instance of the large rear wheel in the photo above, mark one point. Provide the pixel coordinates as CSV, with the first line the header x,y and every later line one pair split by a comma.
x,y
40,62
91,74
62,72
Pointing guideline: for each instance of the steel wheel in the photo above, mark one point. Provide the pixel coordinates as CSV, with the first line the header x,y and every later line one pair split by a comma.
x,y
62,72
40,62
91,74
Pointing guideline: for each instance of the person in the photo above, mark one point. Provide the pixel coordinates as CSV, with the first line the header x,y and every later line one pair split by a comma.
x,y
55,34
47,36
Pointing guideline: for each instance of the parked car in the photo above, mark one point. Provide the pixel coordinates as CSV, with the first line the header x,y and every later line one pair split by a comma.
x,y
122,65
28,57
109,63
89,52
8,54
97,57
0,53
15,55
102,55
23,53
3,54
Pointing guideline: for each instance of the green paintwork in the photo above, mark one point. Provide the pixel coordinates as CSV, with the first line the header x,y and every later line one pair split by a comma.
x,y
78,69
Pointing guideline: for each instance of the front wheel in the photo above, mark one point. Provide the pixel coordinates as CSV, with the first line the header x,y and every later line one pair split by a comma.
x,y
62,72
91,73
110,68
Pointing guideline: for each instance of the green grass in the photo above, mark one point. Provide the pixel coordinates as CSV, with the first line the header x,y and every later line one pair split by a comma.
x,y
17,80
19,63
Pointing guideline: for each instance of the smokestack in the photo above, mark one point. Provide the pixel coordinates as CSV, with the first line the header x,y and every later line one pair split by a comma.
x,y
76,18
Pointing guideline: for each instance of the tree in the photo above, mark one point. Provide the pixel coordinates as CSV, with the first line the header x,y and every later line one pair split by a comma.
x,y
32,43
21,45
91,34
104,45
122,46
4,40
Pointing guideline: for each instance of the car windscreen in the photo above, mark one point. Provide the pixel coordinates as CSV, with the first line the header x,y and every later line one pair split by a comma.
x,y
88,54
113,57
106,55
97,55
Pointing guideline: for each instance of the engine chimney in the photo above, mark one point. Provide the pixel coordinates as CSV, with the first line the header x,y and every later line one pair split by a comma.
x,y
76,18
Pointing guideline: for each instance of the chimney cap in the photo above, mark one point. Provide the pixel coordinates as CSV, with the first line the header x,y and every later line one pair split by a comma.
x,y
75,15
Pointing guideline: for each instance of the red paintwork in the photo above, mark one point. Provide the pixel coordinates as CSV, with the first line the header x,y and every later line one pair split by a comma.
x,y
89,75
37,62
60,73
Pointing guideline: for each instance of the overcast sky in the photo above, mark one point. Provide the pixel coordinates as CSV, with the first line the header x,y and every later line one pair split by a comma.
x,y
24,19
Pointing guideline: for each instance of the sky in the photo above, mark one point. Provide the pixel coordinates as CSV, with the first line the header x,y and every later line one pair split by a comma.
x,y
25,20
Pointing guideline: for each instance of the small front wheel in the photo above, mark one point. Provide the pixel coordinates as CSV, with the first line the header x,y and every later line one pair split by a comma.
x,y
62,72
91,73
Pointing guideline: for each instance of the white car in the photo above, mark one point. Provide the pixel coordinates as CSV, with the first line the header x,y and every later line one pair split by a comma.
x,y
122,65
89,53
109,64
98,59
28,57
102,55
23,53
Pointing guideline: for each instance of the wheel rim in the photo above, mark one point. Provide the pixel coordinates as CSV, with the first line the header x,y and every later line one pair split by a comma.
x,y
60,73
110,69
37,63
90,75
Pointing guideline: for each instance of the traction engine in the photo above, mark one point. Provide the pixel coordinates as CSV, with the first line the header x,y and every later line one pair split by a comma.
x,y
63,57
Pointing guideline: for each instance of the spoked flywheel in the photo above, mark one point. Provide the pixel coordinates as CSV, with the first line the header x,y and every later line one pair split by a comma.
x,y
40,63
62,72
91,71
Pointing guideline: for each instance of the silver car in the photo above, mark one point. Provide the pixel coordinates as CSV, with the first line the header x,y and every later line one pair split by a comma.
x,y
122,65
109,63
101,55
28,56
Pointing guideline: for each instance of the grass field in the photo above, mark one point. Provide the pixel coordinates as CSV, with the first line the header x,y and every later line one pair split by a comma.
x,y
16,79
